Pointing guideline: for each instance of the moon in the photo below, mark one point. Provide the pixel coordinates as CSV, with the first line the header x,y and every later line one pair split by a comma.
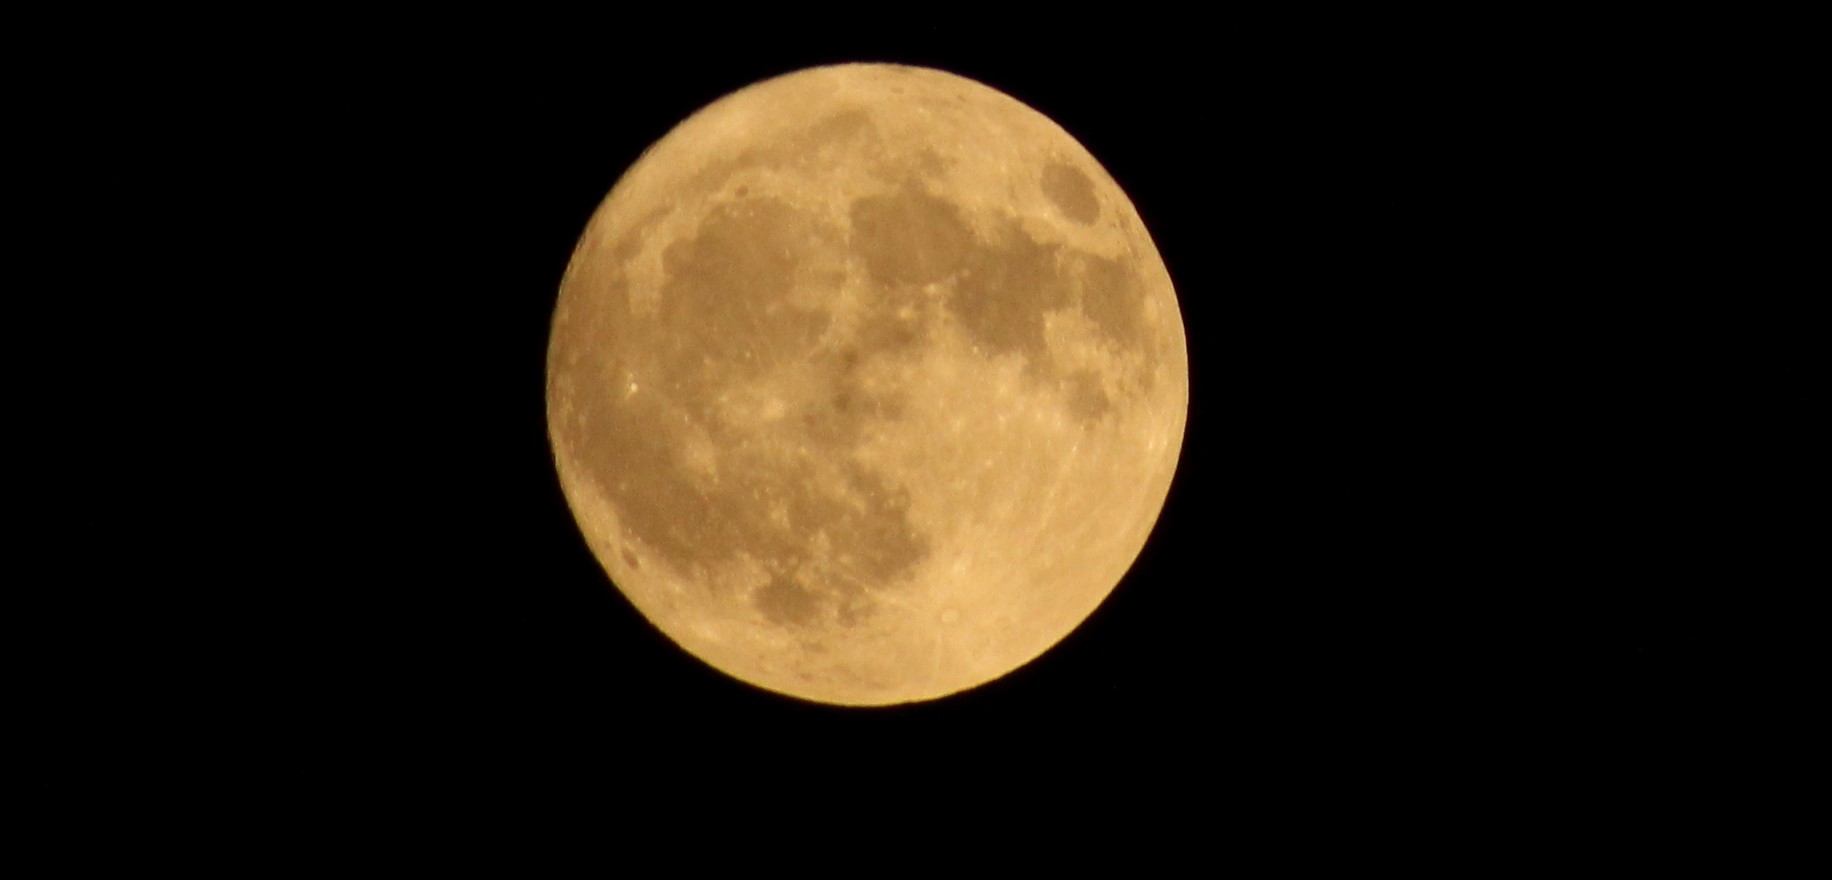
x,y
866,384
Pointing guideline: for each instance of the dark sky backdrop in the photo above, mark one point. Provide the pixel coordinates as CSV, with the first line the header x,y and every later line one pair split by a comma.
x,y
1401,540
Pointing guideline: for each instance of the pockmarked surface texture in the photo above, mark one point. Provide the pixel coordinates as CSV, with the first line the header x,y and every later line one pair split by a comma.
x,y
866,384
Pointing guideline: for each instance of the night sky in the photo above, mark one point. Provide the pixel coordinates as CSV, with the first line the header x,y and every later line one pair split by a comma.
x,y
1409,542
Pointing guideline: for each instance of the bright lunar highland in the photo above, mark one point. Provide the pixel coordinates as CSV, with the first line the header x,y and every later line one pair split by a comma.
x,y
866,384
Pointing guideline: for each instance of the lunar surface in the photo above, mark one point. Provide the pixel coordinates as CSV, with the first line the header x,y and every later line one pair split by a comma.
x,y
866,384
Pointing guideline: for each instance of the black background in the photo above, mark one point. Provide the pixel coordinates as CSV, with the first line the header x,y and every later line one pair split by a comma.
x,y
1408,552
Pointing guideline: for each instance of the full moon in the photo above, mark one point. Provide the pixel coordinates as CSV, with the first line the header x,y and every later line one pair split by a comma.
x,y
866,384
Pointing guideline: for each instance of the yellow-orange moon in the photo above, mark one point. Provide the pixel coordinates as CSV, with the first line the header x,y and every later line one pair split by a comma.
x,y
866,384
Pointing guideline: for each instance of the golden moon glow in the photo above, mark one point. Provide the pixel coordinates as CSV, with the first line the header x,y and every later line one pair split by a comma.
x,y
866,384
